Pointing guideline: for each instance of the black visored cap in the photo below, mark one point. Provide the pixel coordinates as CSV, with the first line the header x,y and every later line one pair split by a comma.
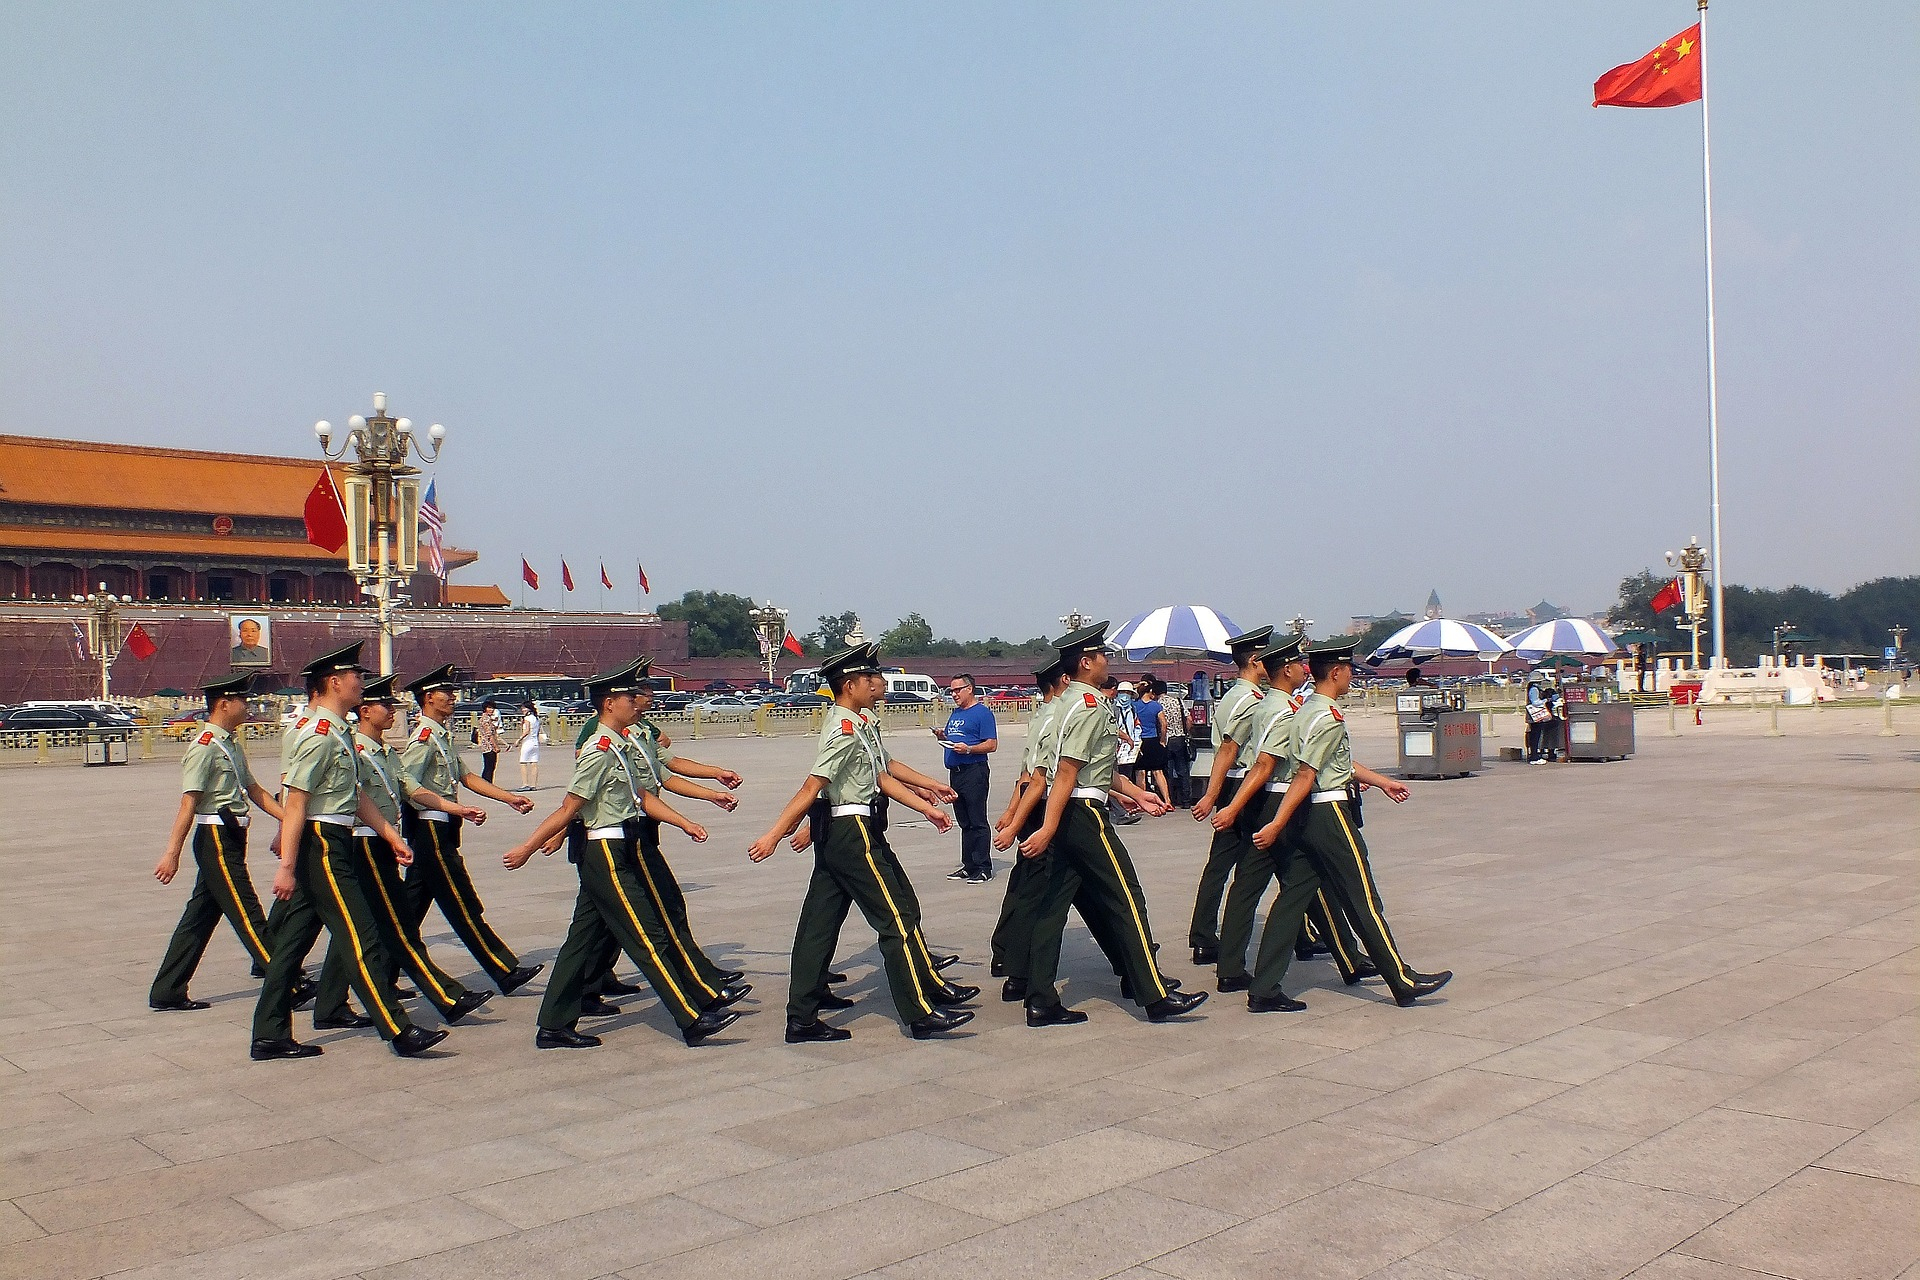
x,y
438,678
237,685
327,664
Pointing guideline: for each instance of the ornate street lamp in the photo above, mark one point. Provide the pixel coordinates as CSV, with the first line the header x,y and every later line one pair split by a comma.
x,y
1300,625
770,624
1692,563
104,633
1073,620
382,497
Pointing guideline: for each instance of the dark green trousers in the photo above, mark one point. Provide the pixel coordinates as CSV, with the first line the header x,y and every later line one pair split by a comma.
x,y
439,876
612,904
1257,869
854,867
379,873
670,905
221,890
1323,850
1026,890
1223,855
328,895
1086,855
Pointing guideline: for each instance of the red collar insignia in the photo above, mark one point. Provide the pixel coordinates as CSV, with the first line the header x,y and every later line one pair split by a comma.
x,y
1092,701
322,727
206,737
301,723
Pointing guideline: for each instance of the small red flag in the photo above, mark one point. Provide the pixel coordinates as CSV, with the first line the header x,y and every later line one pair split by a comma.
x,y
140,644
566,576
527,575
1667,77
326,520
605,581
792,646
645,589
1667,597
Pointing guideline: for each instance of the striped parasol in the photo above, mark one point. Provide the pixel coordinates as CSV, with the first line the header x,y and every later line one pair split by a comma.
x,y
1440,636
1176,629
1563,635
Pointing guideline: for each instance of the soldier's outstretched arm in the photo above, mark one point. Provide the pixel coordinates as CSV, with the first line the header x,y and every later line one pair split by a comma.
x,y
694,769
259,795
660,811
681,787
762,849
912,777
1396,790
894,789
1223,758
481,787
1257,774
1290,804
554,823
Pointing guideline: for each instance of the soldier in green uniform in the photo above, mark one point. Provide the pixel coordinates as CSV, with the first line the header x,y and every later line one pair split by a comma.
x,y
1022,814
317,879
843,800
384,782
1077,837
1232,721
1318,824
601,813
439,874
1268,756
216,785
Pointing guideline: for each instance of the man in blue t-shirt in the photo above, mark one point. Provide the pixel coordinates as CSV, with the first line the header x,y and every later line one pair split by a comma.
x,y
970,736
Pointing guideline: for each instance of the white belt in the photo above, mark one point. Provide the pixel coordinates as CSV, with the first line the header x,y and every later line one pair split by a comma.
x,y
213,819
853,811
334,819
1328,797
1236,773
606,833
365,833
1280,786
433,815
1089,793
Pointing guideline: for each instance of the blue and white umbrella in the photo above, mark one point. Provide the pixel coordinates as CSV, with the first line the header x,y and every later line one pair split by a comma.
x,y
1441,637
1563,635
1176,628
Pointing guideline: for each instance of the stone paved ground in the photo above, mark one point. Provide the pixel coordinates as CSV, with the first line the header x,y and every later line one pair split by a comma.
x,y
1682,1044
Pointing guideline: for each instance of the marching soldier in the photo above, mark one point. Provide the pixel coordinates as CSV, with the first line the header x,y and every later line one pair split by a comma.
x,y
1082,849
216,786
317,880
439,873
1022,815
1318,824
1232,718
1269,760
384,782
844,802
601,815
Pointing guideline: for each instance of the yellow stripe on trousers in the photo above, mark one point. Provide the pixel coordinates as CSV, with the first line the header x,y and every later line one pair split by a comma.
x,y
453,891
420,964
659,905
1333,934
1367,892
1133,909
374,999
233,896
899,924
666,975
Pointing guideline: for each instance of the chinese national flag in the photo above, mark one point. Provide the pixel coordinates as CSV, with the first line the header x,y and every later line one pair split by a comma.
x,y
644,588
566,576
326,520
605,581
527,575
1667,597
1667,77
140,644
792,646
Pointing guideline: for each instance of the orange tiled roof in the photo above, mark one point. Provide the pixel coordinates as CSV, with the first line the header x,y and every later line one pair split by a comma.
x,y
478,596
206,546
81,473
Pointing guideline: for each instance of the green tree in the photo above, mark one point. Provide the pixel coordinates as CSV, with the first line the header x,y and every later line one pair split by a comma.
x,y
830,635
717,624
912,636
1634,608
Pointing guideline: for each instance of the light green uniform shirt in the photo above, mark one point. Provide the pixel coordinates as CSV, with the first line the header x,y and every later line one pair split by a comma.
x,y
1088,731
1037,756
603,776
381,776
1233,719
1321,743
323,766
1272,734
216,766
850,757
432,759
643,751
288,734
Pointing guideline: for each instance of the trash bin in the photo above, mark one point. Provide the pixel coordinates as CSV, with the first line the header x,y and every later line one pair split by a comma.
x,y
1597,729
1439,737
103,746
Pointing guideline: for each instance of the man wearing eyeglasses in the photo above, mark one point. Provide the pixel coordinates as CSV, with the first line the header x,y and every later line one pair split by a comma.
x,y
970,736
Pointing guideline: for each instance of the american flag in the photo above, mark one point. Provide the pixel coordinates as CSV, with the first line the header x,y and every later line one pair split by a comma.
x,y
436,527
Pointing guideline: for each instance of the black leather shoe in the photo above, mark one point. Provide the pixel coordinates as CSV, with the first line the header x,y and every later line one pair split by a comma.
x,y
467,1003
815,1032
828,1000
1126,985
997,970
836,977
1206,955
727,976
563,1038
1057,1015
1278,1002
303,992
1361,972
954,995
258,972
518,978
345,1020
941,962
712,1022
730,995
1013,989
1175,1005
181,1005
598,1007
939,1022
1308,950
1424,984
405,993
615,987
415,1041
1237,982
266,1050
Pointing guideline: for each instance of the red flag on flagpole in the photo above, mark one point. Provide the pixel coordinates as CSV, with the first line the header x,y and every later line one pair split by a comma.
x,y
645,589
527,575
566,576
1667,77
1667,597
326,519
792,646
140,644
605,581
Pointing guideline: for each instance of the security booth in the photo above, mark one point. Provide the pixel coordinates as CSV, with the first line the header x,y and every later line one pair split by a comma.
x,y
1599,724
103,746
1439,737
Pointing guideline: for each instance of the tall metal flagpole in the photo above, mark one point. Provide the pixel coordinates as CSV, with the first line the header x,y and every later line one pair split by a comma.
x,y
1713,373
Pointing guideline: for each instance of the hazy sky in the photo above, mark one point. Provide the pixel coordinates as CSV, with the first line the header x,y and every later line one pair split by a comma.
x,y
997,310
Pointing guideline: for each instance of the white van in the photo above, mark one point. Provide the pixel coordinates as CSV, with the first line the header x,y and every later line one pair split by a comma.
x,y
920,687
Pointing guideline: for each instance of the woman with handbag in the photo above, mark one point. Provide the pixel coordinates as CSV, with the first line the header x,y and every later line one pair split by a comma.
x,y
1539,720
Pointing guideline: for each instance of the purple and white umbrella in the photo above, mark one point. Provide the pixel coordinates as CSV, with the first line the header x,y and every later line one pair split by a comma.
x,y
1440,636
1563,635
1176,629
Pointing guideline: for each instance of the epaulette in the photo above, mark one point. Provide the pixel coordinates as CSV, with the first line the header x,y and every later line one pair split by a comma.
x,y
300,724
846,727
1336,714
605,743
426,734
1092,700
322,726
206,737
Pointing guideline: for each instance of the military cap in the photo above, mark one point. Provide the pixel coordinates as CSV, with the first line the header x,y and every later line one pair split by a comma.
x,y
1281,652
327,664
378,690
438,678
1048,674
1338,649
1074,643
624,680
237,685
860,660
1250,639
643,672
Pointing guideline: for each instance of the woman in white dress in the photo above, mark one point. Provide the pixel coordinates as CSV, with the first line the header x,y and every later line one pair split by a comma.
x,y
529,743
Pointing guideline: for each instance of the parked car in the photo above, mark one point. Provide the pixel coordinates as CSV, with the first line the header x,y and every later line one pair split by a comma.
x,y
722,708
1012,695
898,696
805,701
672,700
717,686
58,719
